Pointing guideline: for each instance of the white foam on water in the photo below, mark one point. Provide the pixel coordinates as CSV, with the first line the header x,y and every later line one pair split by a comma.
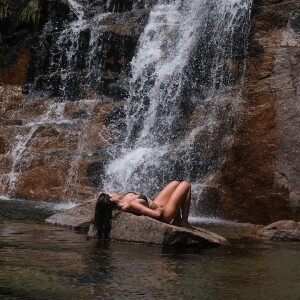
x,y
64,205
207,220
4,198
56,207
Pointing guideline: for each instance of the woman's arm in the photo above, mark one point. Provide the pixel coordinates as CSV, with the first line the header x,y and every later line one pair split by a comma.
x,y
140,209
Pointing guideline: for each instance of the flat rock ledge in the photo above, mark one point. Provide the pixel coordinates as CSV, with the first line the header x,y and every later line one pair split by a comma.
x,y
128,227
285,230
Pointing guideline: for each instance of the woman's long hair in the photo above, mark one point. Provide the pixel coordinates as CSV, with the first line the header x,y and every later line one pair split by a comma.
x,y
103,216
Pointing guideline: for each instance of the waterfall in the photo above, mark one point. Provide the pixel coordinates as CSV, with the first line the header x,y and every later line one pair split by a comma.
x,y
57,63
189,63
136,93
54,115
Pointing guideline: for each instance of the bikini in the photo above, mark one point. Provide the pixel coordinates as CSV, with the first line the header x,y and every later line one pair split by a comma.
x,y
140,196
144,197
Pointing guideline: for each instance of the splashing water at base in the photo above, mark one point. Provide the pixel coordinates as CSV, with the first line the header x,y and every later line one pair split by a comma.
x,y
133,161
56,207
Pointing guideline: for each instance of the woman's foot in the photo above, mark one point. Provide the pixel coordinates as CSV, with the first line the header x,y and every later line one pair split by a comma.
x,y
177,220
186,224
182,224
176,223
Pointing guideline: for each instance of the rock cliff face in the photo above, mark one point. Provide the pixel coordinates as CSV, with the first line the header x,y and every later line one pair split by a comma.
x,y
52,149
260,180
52,143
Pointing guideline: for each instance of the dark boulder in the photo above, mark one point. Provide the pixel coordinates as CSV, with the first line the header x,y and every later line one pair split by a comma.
x,y
286,230
127,227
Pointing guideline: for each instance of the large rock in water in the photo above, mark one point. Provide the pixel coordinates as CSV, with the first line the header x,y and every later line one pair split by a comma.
x,y
285,230
138,229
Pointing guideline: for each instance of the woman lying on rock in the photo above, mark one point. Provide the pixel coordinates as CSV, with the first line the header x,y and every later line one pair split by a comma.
x,y
172,204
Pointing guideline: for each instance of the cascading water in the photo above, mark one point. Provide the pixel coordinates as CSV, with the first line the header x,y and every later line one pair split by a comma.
x,y
59,69
53,115
72,58
190,58
57,60
70,68
179,72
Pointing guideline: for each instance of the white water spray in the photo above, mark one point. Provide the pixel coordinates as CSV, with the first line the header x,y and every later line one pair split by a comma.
x,y
182,63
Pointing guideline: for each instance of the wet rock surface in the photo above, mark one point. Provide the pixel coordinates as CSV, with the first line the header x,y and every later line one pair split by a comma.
x,y
46,153
285,230
53,140
87,55
78,217
260,180
127,227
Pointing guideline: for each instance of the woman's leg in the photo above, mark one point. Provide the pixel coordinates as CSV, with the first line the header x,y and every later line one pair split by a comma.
x,y
180,198
185,208
164,195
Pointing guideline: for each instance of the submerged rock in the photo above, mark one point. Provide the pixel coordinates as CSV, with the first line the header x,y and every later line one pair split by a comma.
x,y
286,230
78,217
138,229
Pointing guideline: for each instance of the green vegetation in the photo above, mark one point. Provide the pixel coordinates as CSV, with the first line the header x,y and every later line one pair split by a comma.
x,y
18,18
5,9
30,14
19,11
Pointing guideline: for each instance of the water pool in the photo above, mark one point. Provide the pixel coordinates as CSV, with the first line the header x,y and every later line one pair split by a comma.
x,y
38,261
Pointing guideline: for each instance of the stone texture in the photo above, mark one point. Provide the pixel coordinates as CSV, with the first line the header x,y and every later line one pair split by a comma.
x,y
260,180
16,74
43,183
285,230
78,217
130,228
55,150
57,146
127,227
3,145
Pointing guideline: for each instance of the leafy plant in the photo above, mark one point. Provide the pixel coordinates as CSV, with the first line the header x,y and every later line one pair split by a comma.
x,y
30,14
5,9
19,11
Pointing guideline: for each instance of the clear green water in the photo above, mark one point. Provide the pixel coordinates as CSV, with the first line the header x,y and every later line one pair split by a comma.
x,y
38,261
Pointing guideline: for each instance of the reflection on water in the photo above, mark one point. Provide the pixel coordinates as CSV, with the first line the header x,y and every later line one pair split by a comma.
x,y
38,261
